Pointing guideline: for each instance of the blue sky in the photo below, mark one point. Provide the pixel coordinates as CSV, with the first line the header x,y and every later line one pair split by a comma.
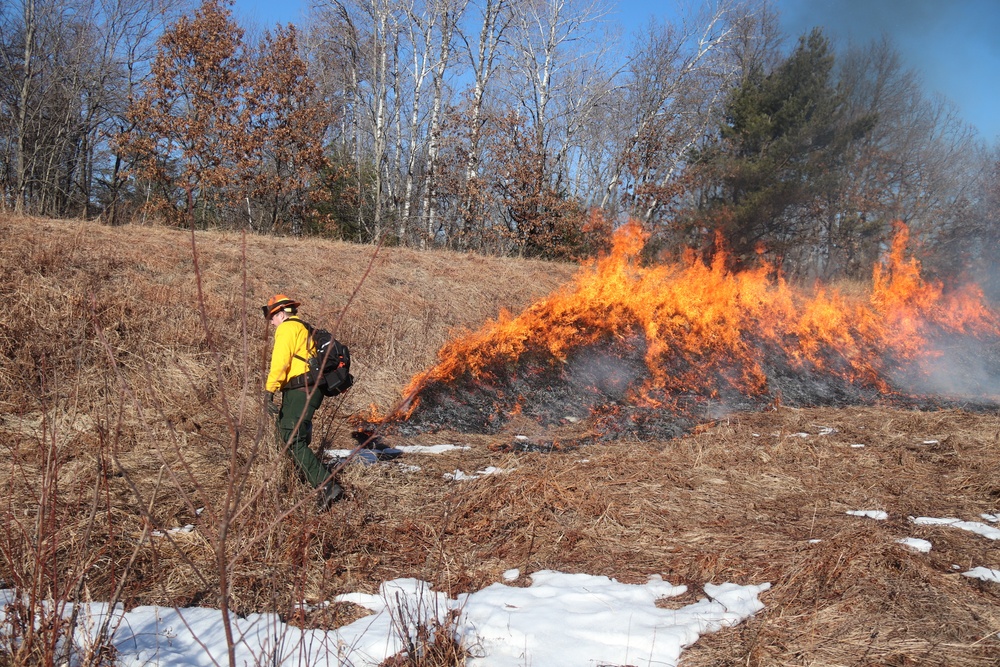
x,y
954,44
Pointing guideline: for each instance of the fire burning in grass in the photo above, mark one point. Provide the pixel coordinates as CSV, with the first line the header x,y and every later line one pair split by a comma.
x,y
654,349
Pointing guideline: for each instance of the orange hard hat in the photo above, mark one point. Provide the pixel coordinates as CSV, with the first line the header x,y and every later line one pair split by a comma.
x,y
278,302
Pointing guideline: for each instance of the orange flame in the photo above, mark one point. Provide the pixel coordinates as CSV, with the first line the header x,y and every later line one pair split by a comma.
x,y
707,330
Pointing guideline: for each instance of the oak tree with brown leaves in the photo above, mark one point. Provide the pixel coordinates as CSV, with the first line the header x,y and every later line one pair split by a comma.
x,y
187,123
284,151
225,133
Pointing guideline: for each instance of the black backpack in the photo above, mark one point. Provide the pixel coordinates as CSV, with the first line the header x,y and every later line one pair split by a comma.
x,y
330,368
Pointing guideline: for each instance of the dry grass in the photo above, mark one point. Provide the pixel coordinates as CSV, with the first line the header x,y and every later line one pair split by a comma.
x,y
108,377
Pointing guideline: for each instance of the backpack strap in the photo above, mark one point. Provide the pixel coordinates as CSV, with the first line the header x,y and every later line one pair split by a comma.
x,y
302,379
309,331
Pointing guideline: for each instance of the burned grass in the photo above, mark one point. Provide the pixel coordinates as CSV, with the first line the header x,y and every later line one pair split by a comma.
x,y
139,463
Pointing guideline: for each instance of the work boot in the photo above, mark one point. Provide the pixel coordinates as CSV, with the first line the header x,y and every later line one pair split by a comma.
x,y
329,494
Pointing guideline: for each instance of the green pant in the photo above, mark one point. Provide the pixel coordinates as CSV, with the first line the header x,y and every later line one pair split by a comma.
x,y
295,430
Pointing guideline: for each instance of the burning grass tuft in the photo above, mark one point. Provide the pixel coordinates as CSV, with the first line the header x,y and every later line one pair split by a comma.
x,y
653,350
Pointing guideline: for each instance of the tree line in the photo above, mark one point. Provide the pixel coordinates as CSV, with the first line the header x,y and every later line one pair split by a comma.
x,y
527,127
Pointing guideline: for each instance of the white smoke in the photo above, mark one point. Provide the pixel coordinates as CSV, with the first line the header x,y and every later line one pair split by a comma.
x,y
954,367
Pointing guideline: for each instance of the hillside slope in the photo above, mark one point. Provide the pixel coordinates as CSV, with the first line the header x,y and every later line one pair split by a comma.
x,y
68,285
138,465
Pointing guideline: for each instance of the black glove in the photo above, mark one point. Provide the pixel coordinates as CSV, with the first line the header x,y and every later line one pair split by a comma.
x,y
272,407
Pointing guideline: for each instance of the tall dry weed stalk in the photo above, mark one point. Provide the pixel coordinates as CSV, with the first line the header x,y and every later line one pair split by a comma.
x,y
57,536
429,635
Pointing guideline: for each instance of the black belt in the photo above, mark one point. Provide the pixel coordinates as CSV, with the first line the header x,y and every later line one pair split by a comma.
x,y
301,381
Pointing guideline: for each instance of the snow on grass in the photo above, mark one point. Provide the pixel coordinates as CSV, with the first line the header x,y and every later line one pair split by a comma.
x,y
972,526
559,619
915,543
189,528
430,449
878,515
460,476
984,573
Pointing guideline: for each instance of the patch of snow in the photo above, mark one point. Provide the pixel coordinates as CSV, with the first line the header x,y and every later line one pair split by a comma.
x,y
460,476
560,619
915,543
798,435
988,532
878,515
366,456
430,449
857,445
930,442
189,528
991,517
815,541
511,575
827,430
984,573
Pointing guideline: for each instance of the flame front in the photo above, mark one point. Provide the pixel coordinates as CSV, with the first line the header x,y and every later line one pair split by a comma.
x,y
702,330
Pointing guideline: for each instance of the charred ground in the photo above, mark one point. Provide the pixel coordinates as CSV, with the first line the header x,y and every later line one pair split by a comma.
x,y
599,381
651,351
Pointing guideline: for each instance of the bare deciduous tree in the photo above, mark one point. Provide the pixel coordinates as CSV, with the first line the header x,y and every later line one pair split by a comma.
x,y
67,69
680,80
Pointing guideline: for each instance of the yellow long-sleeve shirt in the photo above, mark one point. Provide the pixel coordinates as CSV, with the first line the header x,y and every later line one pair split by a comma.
x,y
290,338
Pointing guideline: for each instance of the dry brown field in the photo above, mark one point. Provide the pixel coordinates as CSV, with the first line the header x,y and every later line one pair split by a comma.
x,y
131,402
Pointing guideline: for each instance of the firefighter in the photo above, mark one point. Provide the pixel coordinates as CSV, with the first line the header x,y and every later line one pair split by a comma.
x,y
295,414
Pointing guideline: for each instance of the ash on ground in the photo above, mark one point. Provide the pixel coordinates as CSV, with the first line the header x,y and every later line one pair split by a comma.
x,y
608,385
